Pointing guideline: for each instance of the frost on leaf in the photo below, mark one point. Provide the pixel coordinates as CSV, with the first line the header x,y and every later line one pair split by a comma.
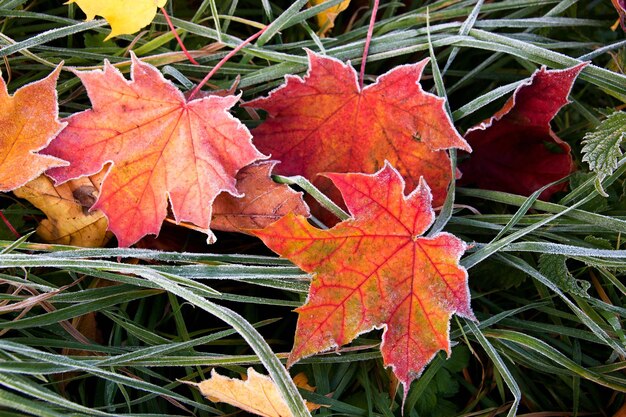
x,y
516,150
157,146
125,17
602,147
263,201
258,394
325,122
376,270
28,122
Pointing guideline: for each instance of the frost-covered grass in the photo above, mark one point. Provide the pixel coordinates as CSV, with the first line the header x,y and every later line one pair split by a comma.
x,y
546,277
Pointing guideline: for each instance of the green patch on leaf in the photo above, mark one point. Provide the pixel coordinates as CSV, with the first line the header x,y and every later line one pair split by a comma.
x,y
554,268
492,276
599,242
602,147
437,400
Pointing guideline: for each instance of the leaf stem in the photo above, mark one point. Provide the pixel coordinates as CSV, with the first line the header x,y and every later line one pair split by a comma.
x,y
224,60
178,39
309,188
9,225
368,39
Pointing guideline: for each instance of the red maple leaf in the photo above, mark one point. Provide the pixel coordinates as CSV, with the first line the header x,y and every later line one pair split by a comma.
x,y
158,145
325,122
516,150
376,270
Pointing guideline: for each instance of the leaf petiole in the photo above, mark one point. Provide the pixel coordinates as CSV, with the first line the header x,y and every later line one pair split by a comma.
x,y
368,39
224,60
310,189
178,39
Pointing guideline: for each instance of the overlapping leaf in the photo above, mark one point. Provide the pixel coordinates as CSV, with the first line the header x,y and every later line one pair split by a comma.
x,y
258,394
376,270
263,201
325,122
516,150
158,145
67,207
125,17
28,122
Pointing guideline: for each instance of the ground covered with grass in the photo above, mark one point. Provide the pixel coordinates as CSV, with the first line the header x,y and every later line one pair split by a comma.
x,y
117,332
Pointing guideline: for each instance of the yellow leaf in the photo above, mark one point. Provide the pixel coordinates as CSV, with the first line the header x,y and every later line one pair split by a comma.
x,y
326,19
258,394
66,206
124,16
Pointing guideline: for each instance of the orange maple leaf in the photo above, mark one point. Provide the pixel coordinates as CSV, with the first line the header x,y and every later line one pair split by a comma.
x,y
325,122
257,394
28,122
376,270
158,145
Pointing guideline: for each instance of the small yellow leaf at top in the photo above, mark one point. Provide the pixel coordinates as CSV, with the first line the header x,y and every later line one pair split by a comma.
x,y
258,394
326,19
124,16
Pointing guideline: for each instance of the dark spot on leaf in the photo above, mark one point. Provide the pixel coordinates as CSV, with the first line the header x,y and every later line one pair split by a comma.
x,y
85,195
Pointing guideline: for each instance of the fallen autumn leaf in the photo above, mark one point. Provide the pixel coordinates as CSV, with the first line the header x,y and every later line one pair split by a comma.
x,y
376,270
258,394
263,201
324,122
125,17
514,150
66,206
28,122
157,146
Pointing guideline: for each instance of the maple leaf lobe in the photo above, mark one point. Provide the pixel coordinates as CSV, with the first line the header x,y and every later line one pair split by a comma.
x,y
376,270
510,152
28,123
158,146
324,122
